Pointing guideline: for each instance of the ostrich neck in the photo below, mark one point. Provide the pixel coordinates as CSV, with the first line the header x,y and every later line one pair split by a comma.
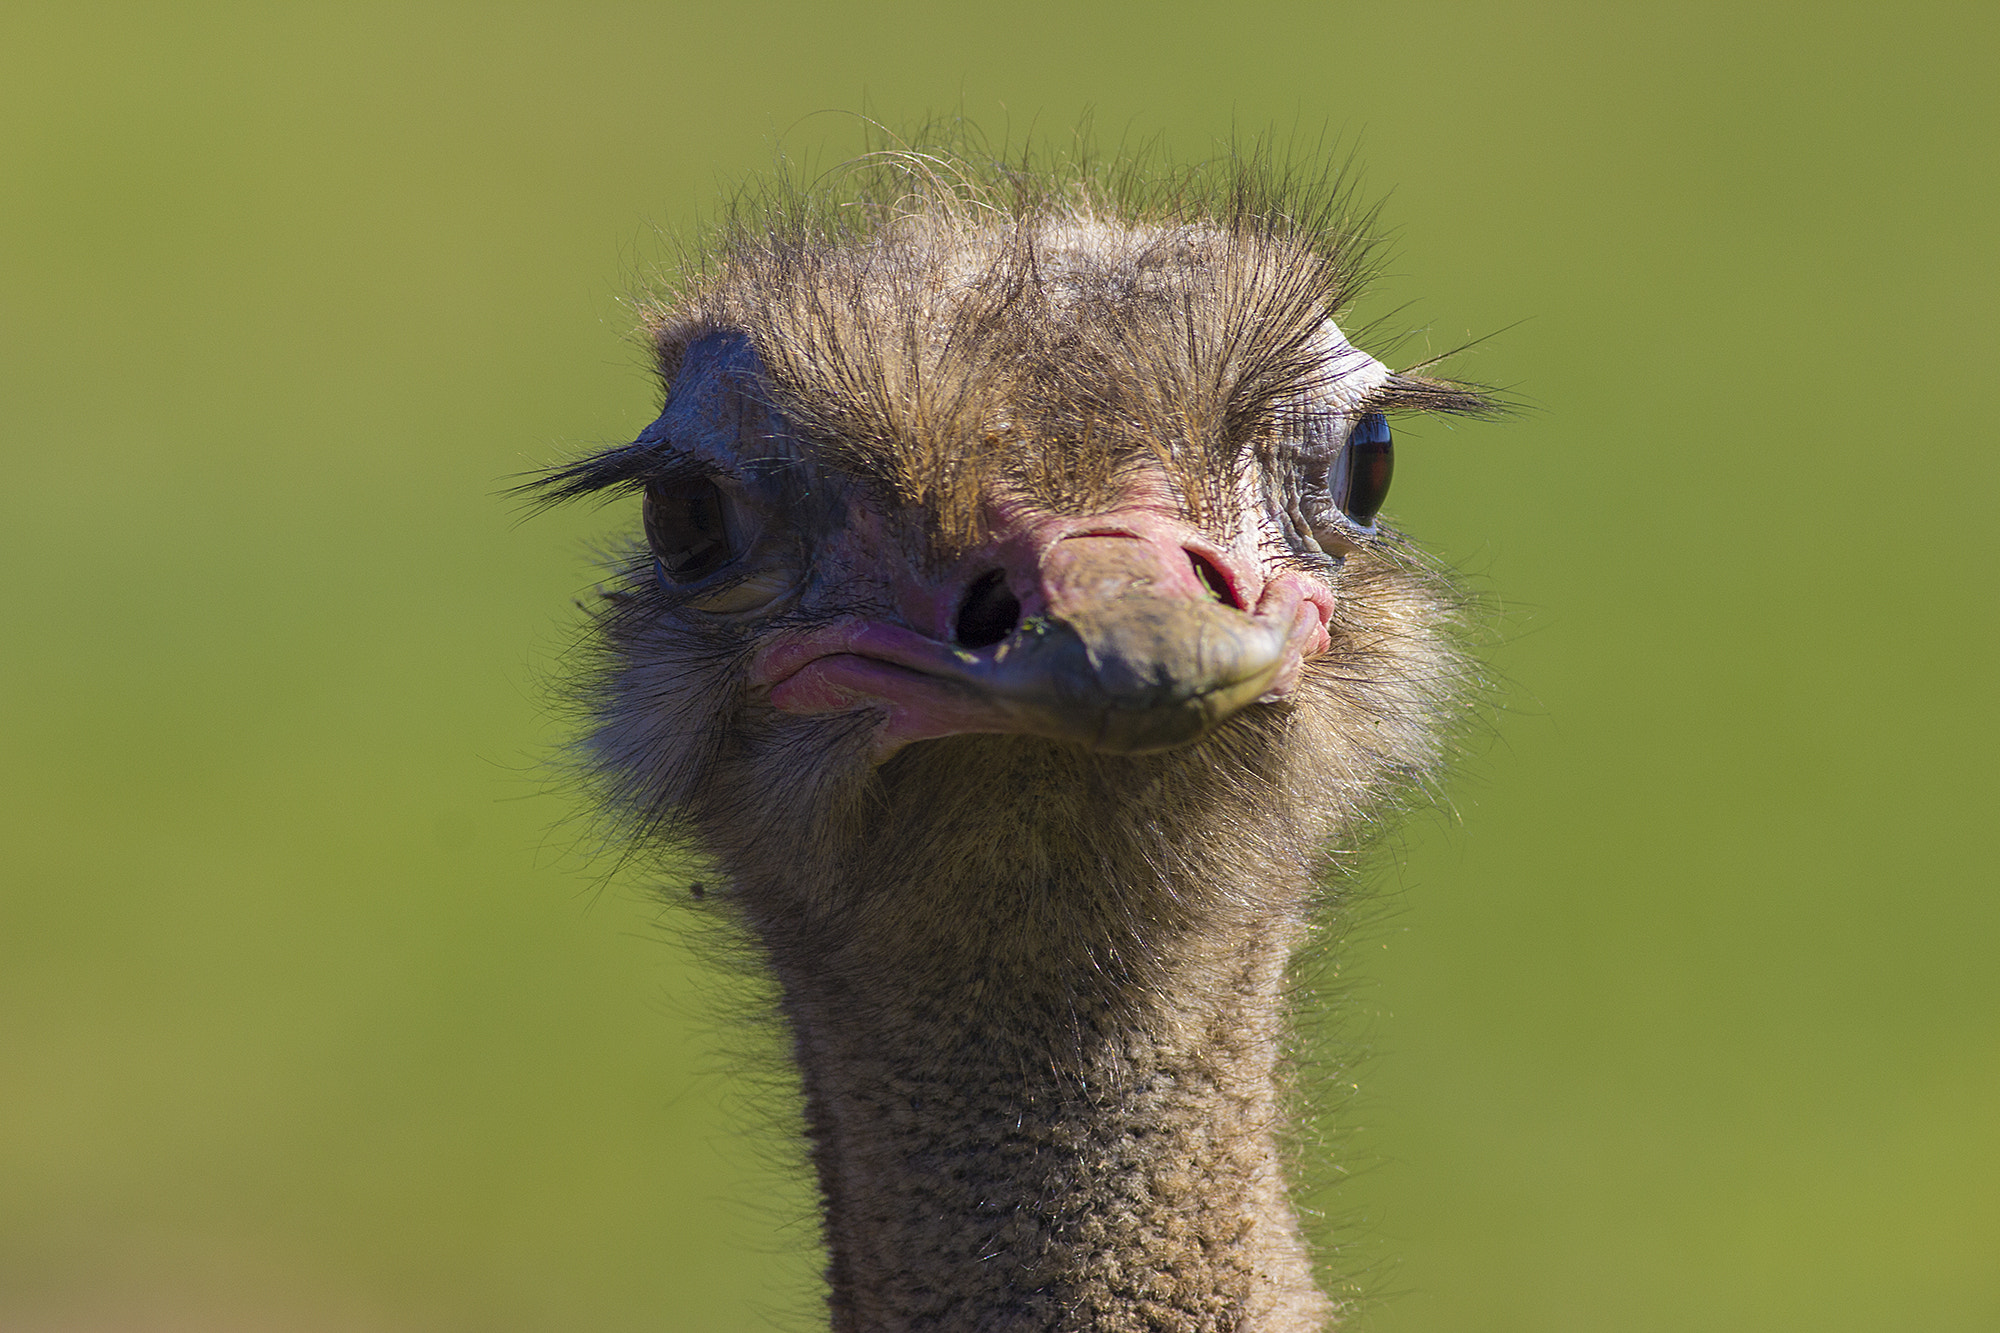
x,y
1049,1120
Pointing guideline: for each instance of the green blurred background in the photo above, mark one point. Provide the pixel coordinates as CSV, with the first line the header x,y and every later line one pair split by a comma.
x,y
317,1011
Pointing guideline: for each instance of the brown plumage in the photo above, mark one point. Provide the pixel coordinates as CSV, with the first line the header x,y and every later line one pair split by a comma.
x,y
1001,638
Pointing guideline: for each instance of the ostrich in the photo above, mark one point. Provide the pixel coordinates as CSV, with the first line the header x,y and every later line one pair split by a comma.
x,y
1014,634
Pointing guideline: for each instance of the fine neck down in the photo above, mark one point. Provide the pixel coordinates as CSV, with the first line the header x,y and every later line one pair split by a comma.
x,y
1040,1098
1114,1175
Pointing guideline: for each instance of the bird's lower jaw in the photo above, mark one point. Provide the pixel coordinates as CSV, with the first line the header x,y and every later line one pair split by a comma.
x,y
917,707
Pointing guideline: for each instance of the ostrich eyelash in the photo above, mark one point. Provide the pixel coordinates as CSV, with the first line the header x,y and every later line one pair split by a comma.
x,y
624,468
1407,392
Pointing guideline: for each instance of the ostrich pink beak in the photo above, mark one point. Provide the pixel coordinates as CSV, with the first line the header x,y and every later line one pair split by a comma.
x,y
1126,633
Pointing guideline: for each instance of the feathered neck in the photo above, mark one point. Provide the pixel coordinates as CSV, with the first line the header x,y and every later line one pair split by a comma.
x,y
1038,1018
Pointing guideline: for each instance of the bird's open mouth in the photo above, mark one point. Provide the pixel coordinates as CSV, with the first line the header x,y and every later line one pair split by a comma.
x,y
1128,674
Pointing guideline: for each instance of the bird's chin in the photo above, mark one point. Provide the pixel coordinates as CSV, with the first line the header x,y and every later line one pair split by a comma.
x,y
917,708
913,706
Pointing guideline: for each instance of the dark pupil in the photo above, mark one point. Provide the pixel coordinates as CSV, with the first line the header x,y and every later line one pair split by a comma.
x,y
687,522
1371,457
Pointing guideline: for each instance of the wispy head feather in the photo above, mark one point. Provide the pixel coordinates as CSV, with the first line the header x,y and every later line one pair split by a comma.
x,y
939,319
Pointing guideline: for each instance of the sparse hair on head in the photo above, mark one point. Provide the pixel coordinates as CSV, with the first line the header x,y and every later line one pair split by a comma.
x,y
920,309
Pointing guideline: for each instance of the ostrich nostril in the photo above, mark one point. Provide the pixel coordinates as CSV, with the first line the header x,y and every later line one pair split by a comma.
x,y
989,613
1214,580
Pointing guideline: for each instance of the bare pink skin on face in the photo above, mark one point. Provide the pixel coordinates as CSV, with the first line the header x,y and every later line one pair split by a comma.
x,y
926,686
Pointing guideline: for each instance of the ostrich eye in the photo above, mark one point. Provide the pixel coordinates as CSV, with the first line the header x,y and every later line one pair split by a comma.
x,y
691,526
1368,460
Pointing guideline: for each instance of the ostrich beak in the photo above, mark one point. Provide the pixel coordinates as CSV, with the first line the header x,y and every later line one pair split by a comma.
x,y
1122,647
1145,675
1125,665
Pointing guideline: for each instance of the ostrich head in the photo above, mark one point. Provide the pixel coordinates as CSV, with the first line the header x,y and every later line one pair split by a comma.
x,y
1014,629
